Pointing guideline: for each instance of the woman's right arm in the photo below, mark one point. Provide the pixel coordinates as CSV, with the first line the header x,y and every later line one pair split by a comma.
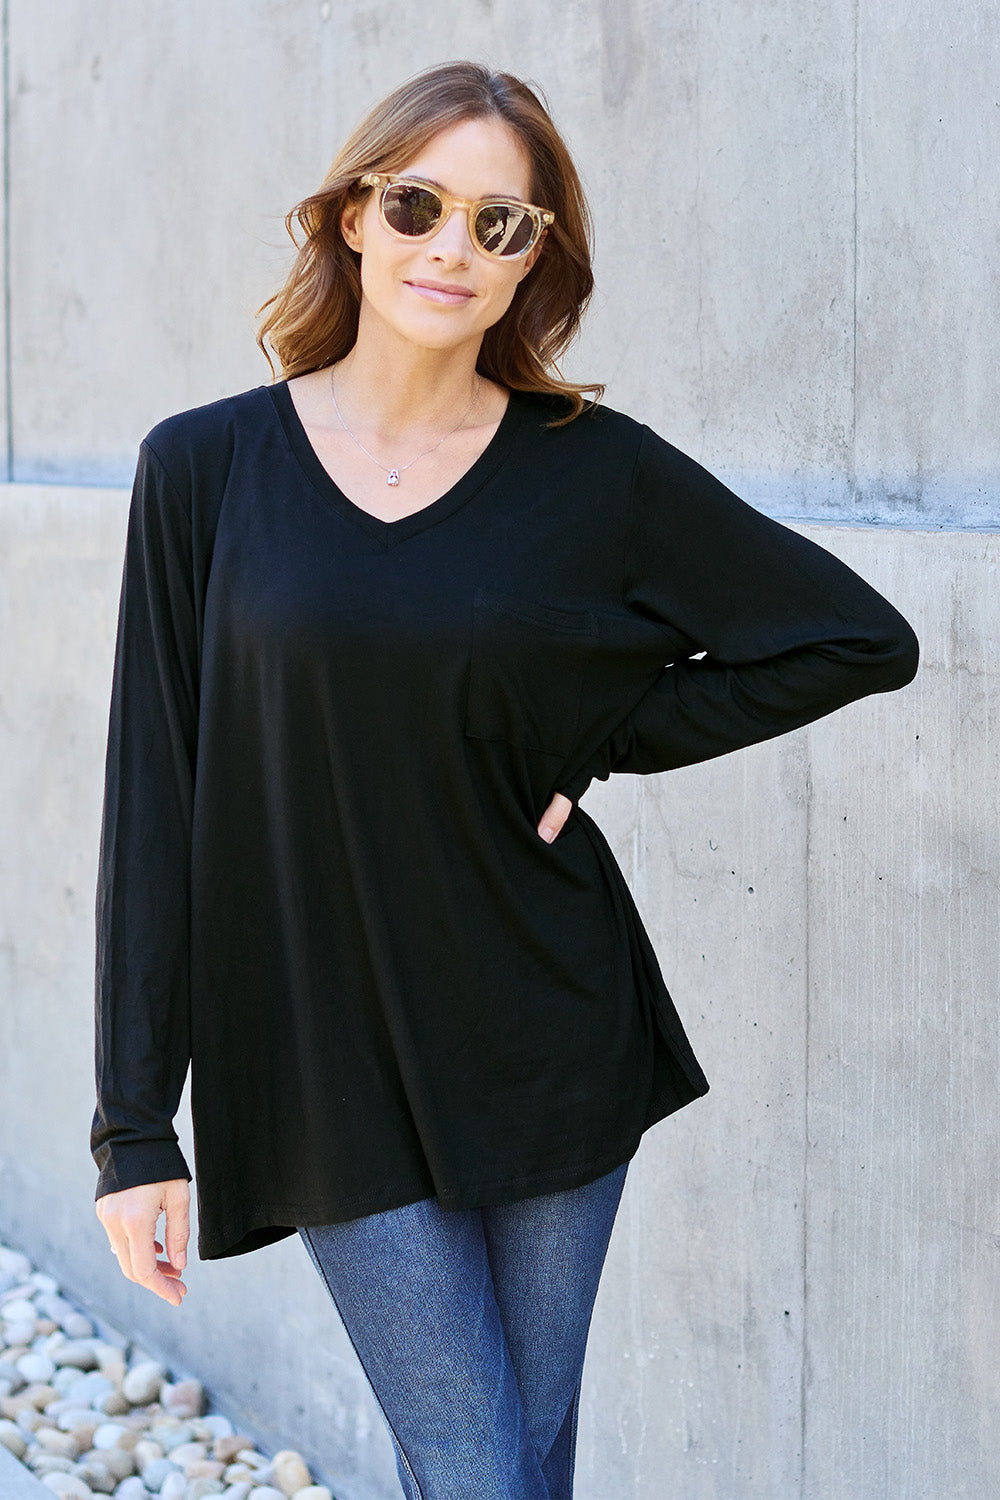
x,y
142,1040
776,631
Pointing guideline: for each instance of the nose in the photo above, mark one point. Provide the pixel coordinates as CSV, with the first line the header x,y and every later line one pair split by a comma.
x,y
451,245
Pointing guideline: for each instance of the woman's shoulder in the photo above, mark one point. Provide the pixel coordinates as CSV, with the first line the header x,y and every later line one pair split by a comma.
x,y
597,424
200,431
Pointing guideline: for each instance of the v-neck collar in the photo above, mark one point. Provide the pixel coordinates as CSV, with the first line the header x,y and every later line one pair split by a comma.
x,y
492,456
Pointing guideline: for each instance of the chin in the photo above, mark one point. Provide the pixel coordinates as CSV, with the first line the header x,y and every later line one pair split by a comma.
x,y
434,333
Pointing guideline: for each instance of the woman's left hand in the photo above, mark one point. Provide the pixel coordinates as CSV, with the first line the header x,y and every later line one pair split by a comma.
x,y
554,816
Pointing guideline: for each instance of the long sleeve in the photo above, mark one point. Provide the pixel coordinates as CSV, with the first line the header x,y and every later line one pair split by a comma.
x,y
142,1041
778,631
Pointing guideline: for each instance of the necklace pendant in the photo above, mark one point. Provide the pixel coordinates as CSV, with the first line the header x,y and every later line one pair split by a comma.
x,y
393,477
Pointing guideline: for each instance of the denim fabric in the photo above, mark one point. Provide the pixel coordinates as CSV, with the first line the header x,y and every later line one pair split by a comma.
x,y
471,1327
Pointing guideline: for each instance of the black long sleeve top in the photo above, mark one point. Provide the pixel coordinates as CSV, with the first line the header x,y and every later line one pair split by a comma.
x,y
331,740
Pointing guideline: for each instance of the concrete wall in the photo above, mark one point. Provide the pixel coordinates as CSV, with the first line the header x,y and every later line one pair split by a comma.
x,y
794,227
795,261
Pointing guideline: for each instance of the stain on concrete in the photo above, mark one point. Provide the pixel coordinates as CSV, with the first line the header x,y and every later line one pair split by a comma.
x,y
619,52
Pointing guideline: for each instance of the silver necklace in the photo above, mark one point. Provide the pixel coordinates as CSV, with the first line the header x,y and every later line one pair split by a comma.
x,y
392,475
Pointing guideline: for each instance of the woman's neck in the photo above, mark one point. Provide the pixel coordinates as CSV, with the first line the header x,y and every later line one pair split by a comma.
x,y
393,388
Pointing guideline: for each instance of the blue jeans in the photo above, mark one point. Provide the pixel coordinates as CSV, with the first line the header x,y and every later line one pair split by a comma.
x,y
471,1327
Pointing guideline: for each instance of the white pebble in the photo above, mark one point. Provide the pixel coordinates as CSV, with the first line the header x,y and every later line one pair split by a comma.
x,y
76,1352
113,1404
77,1325
61,1443
67,1486
105,1352
72,1416
109,1434
289,1472
266,1492
19,1334
51,1305
18,1289
154,1474
188,1453
142,1382
87,1389
48,1463
13,1263
218,1425
185,1399
12,1438
173,1486
170,1432
200,1487
252,1458
238,1491
314,1492
119,1461
98,1476
36,1367
18,1310
132,1489
61,1404
43,1281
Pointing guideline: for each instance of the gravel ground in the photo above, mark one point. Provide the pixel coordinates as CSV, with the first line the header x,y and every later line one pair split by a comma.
x,y
91,1417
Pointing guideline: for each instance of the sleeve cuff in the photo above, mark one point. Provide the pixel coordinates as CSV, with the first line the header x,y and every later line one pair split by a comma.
x,y
136,1163
575,786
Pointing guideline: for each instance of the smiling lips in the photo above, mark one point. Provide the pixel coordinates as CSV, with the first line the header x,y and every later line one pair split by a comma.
x,y
442,291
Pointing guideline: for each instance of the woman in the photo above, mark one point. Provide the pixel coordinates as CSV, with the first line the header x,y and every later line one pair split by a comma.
x,y
382,622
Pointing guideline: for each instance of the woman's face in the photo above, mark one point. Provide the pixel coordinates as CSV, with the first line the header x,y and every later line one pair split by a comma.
x,y
442,293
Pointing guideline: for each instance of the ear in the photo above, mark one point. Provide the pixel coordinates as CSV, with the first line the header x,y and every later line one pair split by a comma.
x,y
533,254
350,223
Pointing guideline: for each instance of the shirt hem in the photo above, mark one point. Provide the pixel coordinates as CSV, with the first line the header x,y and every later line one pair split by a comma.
x,y
265,1223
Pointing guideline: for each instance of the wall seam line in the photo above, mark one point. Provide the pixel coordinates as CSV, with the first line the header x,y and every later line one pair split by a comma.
x,y
7,357
804,1356
853,480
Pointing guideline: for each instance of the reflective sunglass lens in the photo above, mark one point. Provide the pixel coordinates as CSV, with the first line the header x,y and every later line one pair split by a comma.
x,y
410,209
503,229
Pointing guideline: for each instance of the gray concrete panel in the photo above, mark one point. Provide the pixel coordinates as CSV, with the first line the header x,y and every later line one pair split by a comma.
x,y
4,281
928,310
903,1394
694,1375
892,1061
723,188
774,202
149,176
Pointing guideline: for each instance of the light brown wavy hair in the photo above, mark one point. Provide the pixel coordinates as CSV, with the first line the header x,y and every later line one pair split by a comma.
x,y
313,320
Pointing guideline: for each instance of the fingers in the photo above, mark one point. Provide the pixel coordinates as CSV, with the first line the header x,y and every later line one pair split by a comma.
x,y
130,1218
177,1201
554,816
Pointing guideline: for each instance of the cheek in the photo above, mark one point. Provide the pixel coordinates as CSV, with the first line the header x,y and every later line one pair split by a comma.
x,y
378,268
502,294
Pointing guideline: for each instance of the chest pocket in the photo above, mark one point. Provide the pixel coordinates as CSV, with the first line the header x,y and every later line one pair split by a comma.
x,y
527,671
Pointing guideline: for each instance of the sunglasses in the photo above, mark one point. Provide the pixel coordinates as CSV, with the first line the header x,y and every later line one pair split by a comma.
x,y
503,228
